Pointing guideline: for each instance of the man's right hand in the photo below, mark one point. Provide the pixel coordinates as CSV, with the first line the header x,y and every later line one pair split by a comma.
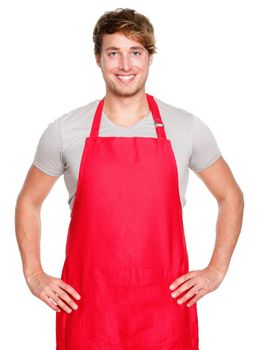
x,y
53,291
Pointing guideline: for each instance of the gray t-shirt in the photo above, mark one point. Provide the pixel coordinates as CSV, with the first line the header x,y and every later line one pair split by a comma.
x,y
61,145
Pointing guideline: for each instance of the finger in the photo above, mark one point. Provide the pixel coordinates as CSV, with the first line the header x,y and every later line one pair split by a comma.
x,y
197,297
60,294
185,286
59,302
50,303
181,280
191,293
69,289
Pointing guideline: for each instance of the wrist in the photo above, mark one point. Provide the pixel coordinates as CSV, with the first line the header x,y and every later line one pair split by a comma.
x,y
220,271
28,274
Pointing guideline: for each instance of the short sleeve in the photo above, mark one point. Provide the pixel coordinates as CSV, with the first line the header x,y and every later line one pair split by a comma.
x,y
48,156
205,149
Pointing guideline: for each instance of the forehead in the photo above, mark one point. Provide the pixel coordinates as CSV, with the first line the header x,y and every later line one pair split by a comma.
x,y
119,41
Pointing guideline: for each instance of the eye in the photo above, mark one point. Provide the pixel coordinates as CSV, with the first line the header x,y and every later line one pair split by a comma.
x,y
112,53
137,52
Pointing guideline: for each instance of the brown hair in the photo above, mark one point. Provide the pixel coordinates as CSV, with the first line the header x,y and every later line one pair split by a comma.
x,y
128,22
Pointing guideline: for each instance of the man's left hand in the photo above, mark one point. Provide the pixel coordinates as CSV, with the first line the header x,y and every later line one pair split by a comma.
x,y
196,284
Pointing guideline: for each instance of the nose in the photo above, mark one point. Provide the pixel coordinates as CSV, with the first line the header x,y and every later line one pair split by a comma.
x,y
125,63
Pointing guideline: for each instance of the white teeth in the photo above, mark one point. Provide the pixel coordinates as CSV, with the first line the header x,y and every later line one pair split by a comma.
x,y
126,77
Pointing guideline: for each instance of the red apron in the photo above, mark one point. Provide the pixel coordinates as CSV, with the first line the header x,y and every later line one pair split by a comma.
x,y
125,246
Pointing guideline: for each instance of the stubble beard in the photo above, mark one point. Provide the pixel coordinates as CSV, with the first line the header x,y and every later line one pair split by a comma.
x,y
126,91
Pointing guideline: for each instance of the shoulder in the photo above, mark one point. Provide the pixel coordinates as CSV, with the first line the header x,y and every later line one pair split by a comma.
x,y
177,121
190,132
73,119
62,135
74,125
77,117
175,116
175,112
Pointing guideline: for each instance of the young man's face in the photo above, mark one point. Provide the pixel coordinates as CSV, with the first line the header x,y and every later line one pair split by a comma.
x,y
124,64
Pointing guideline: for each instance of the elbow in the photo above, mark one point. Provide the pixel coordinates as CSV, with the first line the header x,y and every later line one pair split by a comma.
x,y
239,197
25,205
234,196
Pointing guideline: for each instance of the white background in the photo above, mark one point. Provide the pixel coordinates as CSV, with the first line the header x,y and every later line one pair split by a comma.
x,y
209,62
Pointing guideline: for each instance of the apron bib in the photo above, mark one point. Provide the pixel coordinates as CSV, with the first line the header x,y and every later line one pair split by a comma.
x,y
125,246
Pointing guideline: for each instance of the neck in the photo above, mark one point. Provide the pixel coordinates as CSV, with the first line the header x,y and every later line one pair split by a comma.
x,y
126,109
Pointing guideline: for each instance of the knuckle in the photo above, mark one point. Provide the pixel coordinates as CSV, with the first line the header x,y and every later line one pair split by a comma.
x,y
190,294
65,296
41,294
188,284
56,280
68,301
46,288
63,284
64,306
49,302
72,303
55,297
60,282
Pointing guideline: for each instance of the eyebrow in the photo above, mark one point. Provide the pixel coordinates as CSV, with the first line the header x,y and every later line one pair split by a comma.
x,y
131,48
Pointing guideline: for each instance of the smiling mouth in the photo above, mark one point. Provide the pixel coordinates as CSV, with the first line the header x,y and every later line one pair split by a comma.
x,y
125,78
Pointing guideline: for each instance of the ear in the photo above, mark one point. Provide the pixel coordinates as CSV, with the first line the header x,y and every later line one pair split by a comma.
x,y
150,59
97,57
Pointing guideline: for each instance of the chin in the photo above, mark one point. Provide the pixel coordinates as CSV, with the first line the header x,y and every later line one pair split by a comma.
x,y
125,92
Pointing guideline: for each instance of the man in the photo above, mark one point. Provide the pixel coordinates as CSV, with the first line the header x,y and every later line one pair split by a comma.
x,y
125,282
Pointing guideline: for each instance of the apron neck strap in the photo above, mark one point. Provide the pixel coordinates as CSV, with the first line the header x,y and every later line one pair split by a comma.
x,y
153,107
156,117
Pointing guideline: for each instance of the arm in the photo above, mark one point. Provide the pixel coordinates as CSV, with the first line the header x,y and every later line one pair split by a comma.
x,y
35,189
221,183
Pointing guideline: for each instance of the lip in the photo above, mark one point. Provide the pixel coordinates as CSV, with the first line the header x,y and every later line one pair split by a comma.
x,y
125,75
